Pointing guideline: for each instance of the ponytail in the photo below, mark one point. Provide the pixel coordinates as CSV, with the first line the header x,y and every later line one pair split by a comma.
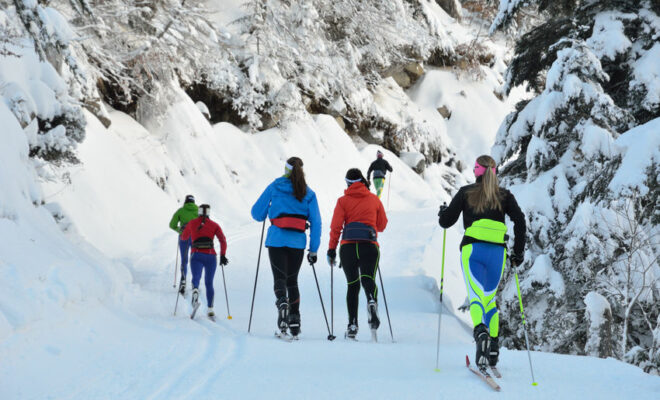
x,y
297,177
485,195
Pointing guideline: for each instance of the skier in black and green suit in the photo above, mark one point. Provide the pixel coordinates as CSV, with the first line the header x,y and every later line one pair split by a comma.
x,y
379,167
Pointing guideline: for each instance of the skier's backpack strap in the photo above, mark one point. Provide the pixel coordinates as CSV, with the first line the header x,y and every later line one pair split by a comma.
x,y
291,222
203,242
359,232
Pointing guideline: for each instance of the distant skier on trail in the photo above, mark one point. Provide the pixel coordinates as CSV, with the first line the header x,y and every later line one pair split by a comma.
x,y
292,207
483,249
201,231
379,167
360,215
178,223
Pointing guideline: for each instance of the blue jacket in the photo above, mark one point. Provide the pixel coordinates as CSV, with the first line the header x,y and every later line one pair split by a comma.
x,y
278,199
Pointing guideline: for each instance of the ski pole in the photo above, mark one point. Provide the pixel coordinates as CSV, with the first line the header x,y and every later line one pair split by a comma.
x,y
224,284
176,261
330,335
389,189
387,311
522,313
254,292
442,281
332,301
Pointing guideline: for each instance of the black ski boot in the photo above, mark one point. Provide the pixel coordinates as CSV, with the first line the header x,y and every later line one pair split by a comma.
x,y
351,331
481,337
282,313
182,286
494,351
372,312
294,324
195,302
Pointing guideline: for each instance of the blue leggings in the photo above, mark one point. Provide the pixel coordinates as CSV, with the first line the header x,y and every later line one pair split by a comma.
x,y
483,266
184,246
208,262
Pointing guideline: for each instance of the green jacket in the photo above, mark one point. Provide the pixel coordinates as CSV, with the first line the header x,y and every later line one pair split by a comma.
x,y
182,216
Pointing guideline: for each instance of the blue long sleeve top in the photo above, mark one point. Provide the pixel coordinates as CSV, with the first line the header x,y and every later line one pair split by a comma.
x,y
278,199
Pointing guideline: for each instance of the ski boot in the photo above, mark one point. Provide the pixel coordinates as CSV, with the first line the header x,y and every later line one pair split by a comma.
x,y
351,332
182,286
481,338
195,302
372,312
211,314
494,351
282,314
294,324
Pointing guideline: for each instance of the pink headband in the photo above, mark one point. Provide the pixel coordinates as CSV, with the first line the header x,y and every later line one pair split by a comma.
x,y
480,169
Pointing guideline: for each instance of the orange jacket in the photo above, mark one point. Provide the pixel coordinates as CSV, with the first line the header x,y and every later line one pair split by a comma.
x,y
357,204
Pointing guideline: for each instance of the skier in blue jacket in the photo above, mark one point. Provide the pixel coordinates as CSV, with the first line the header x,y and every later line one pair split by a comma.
x,y
292,208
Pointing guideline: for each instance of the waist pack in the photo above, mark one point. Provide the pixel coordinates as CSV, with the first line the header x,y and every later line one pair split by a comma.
x,y
291,222
488,230
203,243
359,232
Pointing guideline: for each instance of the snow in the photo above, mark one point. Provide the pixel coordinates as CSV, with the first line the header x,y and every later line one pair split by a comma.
x,y
640,149
476,111
646,71
117,294
86,303
543,274
597,305
596,141
608,38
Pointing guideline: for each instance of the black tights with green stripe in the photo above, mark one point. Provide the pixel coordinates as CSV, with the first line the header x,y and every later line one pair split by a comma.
x,y
360,263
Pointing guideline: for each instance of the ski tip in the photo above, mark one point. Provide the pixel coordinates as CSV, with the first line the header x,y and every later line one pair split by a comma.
x,y
467,360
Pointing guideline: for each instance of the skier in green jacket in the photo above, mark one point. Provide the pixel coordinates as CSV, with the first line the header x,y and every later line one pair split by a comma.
x,y
178,223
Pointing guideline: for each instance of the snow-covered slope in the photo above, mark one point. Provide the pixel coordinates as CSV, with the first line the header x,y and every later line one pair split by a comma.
x,y
88,312
87,264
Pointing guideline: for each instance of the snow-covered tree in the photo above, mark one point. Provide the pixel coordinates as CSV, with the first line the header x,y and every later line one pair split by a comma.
x,y
48,108
569,151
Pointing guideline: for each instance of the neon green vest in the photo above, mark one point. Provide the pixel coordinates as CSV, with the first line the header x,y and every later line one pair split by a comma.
x,y
487,230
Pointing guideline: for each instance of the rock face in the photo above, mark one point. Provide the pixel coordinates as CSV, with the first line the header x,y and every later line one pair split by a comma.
x,y
414,160
452,7
406,75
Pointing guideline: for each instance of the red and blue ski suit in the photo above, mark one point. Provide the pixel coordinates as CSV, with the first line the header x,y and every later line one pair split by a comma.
x,y
202,231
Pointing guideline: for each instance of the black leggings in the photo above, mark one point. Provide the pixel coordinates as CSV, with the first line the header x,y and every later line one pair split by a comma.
x,y
360,263
285,263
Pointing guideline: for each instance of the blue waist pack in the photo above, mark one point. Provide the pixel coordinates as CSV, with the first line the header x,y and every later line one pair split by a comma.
x,y
359,232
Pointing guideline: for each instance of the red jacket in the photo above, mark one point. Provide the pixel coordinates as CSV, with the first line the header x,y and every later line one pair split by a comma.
x,y
357,204
209,229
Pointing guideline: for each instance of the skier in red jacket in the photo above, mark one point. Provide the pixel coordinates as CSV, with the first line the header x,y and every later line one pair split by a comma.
x,y
202,230
360,215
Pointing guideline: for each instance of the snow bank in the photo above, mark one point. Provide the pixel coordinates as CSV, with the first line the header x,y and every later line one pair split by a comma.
x,y
43,268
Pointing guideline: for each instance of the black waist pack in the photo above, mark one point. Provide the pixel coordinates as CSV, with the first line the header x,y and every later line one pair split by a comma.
x,y
359,232
203,243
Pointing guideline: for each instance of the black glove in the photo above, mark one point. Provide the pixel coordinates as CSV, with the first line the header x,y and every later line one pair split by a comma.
x,y
223,260
516,259
332,256
311,257
443,207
